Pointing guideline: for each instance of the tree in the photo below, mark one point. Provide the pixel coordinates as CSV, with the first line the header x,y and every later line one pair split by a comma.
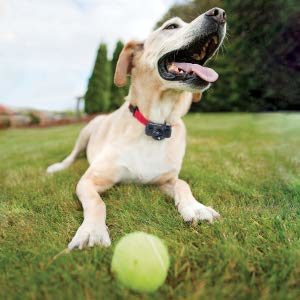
x,y
117,93
97,97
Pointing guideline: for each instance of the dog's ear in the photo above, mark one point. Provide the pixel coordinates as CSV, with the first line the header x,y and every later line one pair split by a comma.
x,y
197,97
124,64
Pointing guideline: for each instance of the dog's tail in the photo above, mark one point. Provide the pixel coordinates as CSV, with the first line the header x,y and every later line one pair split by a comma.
x,y
80,145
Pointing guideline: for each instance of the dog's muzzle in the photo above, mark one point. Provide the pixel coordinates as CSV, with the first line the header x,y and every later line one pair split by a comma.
x,y
186,64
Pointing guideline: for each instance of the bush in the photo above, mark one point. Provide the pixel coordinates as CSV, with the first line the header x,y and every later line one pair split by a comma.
x,y
4,121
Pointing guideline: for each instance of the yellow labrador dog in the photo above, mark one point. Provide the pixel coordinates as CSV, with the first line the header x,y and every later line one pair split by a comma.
x,y
144,140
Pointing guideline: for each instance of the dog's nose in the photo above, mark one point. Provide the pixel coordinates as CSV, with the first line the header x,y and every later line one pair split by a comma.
x,y
217,14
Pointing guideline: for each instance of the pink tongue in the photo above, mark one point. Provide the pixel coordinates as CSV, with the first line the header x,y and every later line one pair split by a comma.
x,y
205,73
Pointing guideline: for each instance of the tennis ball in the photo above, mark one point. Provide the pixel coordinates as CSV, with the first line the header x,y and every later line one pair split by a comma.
x,y
140,262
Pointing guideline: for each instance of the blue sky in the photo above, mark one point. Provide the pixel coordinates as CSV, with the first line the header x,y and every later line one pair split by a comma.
x,y
47,47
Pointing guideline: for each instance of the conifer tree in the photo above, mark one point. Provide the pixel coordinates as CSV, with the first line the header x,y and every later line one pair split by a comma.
x,y
97,97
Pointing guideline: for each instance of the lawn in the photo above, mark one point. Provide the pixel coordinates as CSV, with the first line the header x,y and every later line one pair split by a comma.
x,y
247,166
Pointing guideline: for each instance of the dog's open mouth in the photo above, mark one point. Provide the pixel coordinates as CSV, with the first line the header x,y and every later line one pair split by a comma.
x,y
187,64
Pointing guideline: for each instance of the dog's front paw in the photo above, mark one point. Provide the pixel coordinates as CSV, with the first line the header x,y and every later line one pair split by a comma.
x,y
195,211
89,235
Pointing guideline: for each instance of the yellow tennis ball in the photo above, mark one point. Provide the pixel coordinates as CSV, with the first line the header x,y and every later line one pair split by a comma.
x,y
141,262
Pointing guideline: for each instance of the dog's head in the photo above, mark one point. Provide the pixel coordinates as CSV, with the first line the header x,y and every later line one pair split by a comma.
x,y
175,54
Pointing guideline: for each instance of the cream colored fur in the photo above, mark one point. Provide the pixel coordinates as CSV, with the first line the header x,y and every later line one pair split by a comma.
x,y
118,149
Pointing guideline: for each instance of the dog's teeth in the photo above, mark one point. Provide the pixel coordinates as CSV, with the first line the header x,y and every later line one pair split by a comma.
x,y
202,55
199,56
172,69
205,46
196,56
215,38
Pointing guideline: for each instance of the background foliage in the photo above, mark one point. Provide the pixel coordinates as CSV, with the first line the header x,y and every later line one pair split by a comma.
x,y
259,64
102,95
97,97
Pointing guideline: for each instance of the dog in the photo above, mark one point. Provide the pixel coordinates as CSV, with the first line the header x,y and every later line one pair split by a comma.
x,y
144,140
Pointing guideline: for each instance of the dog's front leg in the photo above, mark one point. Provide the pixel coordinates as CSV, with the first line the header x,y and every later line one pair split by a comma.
x,y
189,208
93,230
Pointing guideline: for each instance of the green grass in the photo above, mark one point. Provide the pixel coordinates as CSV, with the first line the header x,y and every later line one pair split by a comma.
x,y
244,165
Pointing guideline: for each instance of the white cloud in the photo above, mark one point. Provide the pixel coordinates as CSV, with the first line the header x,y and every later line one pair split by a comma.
x,y
47,47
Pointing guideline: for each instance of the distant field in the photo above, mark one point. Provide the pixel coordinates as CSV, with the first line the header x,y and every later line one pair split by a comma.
x,y
247,166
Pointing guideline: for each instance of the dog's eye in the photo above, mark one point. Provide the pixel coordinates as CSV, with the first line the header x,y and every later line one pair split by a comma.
x,y
172,26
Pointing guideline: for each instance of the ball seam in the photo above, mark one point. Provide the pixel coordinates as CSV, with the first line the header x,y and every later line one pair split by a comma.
x,y
156,253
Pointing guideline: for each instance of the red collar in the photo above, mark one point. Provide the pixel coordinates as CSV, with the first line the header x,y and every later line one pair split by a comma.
x,y
138,115
155,130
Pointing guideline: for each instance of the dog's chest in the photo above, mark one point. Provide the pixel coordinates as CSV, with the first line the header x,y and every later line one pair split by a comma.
x,y
146,161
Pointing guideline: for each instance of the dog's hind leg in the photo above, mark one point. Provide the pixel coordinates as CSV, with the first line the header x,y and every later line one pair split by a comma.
x,y
80,145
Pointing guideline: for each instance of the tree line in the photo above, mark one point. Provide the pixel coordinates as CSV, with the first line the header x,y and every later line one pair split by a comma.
x,y
259,64
102,95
